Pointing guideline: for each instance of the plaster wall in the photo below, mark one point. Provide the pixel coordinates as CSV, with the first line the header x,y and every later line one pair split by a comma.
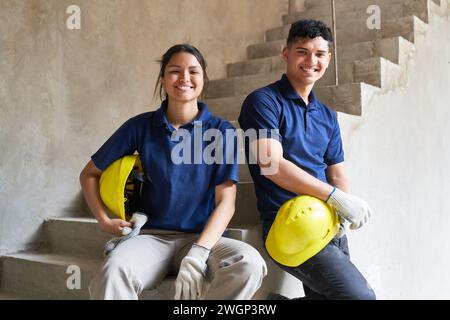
x,y
63,92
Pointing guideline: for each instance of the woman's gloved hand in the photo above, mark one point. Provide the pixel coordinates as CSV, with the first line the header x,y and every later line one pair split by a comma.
x,y
137,222
191,277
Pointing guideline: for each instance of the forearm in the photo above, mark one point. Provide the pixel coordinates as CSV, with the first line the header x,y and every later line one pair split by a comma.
x,y
341,183
337,176
216,225
292,178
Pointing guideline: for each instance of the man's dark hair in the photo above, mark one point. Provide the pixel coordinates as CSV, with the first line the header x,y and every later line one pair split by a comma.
x,y
308,28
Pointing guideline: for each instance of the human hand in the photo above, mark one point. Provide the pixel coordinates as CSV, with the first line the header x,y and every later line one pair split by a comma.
x,y
190,279
351,208
116,227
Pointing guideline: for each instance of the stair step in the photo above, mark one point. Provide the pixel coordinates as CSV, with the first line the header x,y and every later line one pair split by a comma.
x,y
394,49
227,107
38,275
347,100
268,55
380,72
407,27
13,296
254,66
358,13
78,236
82,238
266,49
43,275
239,85
358,32
345,5
46,276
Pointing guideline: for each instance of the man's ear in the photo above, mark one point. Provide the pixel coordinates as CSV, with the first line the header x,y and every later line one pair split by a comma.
x,y
285,53
330,57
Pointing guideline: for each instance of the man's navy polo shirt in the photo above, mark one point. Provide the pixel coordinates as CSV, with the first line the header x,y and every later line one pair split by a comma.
x,y
309,134
175,196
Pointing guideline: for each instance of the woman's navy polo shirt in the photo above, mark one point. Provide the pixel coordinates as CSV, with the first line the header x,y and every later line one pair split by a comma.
x,y
175,196
310,137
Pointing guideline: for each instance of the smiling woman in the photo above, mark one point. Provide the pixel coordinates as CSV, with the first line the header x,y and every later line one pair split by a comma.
x,y
188,206
194,64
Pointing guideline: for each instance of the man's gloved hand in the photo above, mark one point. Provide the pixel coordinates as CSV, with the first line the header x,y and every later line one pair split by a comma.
x,y
349,207
191,277
138,220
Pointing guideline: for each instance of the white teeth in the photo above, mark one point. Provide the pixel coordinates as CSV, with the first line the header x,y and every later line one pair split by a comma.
x,y
309,69
184,87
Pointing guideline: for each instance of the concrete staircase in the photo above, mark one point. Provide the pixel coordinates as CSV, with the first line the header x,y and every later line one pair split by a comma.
x,y
72,243
367,59
369,62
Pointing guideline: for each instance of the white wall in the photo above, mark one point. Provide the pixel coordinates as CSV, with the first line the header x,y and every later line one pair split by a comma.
x,y
398,157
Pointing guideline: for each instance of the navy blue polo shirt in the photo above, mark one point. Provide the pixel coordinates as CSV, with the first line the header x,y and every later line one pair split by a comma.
x,y
309,134
178,195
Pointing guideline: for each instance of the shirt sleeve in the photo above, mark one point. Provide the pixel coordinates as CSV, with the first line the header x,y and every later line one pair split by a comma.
x,y
227,165
334,153
121,143
260,113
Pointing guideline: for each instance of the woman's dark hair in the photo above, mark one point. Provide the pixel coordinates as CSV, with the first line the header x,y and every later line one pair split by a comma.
x,y
166,58
308,28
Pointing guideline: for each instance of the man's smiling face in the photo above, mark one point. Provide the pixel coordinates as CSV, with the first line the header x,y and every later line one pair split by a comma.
x,y
307,60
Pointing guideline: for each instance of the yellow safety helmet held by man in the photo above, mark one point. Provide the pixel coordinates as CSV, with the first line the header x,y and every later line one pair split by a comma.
x,y
121,186
303,226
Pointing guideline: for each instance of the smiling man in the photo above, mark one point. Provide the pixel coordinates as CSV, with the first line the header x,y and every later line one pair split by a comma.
x,y
308,155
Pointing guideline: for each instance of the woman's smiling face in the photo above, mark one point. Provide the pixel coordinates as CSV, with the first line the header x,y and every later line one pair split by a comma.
x,y
183,78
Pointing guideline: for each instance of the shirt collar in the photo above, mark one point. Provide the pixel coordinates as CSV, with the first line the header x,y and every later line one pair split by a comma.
x,y
160,119
289,92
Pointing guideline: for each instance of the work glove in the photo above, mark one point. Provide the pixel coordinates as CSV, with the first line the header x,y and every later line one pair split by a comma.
x,y
342,229
190,283
349,207
138,220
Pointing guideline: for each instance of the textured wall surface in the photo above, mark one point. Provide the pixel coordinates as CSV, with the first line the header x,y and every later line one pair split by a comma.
x,y
63,92
398,156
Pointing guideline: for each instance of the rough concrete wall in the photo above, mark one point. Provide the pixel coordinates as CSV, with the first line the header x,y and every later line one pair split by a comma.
x,y
63,92
398,157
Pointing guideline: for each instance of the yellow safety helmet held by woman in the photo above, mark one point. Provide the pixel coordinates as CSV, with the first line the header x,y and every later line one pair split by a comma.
x,y
121,186
303,226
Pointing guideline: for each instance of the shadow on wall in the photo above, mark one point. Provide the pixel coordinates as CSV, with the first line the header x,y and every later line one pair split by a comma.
x,y
77,207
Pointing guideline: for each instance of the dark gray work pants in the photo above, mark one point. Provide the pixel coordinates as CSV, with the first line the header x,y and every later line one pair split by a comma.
x,y
331,275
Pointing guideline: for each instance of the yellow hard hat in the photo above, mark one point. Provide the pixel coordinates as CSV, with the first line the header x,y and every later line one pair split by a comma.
x,y
303,226
121,185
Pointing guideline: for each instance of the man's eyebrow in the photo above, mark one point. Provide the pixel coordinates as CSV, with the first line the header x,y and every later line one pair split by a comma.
x,y
303,48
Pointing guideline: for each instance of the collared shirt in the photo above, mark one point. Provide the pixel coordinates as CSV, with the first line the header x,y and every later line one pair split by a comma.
x,y
179,193
309,134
